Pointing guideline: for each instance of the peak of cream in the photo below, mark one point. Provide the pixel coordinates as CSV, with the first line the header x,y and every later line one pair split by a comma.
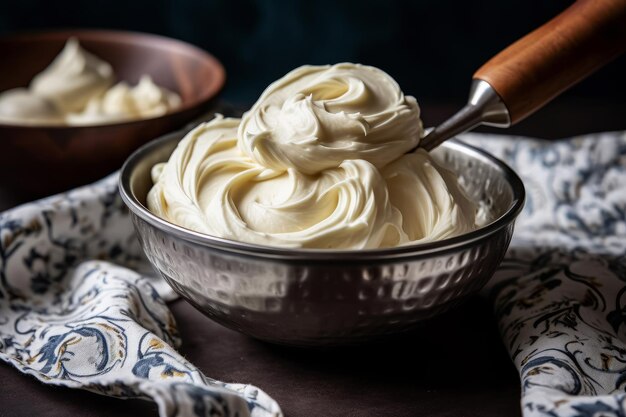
x,y
73,78
209,185
316,117
75,89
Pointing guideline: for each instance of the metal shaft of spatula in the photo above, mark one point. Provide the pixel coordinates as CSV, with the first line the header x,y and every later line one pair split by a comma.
x,y
532,71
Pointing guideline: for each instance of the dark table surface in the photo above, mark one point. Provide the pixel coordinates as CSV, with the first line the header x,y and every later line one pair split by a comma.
x,y
455,365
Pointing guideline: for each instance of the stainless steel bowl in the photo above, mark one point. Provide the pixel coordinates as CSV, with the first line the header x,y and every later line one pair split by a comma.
x,y
324,297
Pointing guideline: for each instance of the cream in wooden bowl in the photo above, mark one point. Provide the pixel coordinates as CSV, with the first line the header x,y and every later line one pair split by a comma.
x,y
78,88
50,155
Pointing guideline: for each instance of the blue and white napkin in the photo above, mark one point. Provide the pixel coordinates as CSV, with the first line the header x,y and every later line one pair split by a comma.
x,y
560,295
79,307
77,311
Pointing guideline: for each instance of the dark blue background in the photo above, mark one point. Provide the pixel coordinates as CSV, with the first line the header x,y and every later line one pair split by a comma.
x,y
431,47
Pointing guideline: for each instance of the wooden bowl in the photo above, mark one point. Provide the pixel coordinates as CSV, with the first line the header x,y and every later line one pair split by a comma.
x,y
37,160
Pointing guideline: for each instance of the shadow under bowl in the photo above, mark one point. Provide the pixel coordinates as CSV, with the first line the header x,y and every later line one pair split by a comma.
x,y
38,160
309,297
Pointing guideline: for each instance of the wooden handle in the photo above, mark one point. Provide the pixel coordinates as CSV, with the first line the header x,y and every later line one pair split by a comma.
x,y
549,60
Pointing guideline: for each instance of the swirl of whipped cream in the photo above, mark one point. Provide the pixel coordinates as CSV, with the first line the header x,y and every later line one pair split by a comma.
x,y
73,78
429,196
209,185
316,117
123,102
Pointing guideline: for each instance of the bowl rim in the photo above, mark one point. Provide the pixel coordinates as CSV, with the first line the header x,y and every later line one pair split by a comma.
x,y
124,36
428,249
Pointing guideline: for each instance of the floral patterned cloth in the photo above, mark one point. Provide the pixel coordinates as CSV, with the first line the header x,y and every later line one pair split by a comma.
x,y
80,308
559,296
76,309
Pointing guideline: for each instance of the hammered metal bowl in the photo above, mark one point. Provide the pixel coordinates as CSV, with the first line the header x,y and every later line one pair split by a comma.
x,y
324,297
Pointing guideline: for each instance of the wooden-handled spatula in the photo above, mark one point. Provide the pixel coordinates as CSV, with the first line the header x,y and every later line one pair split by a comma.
x,y
532,71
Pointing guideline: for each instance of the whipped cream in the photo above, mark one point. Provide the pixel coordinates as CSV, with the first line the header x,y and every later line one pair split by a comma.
x,y
77,89
21,106
73,78
316,117
123,102
349,188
